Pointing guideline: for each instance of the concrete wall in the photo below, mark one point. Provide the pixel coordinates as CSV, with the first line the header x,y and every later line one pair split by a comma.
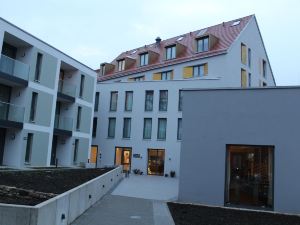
x,y
51,211
214,118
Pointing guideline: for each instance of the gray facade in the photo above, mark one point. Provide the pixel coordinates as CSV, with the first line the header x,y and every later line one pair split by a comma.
x,y
213,119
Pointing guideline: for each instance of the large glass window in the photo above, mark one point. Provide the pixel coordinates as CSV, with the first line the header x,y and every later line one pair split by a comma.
x,y
202,44
113,101
149,100
163,100
147,128
144,59
111,127
126,127
171,52
179,129
128,100
249,176
162,129
156,162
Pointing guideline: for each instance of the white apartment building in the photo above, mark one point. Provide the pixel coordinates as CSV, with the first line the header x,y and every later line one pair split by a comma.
x,y
46,103
138,95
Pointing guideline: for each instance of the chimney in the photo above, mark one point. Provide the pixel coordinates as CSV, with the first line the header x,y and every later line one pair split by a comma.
x,y
158,40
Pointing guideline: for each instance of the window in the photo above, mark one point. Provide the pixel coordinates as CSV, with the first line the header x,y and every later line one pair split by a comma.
x,y
28,147
171,52
76,145
249,57
141,78
121,65
265,84
167,75
243,78
38,67
264,65
179,129
144,59
249,80
163,100
96,106
103,69
33,106
198,71
149,101
126,127
147,128
111,127
244,54
162,129
202,44
78,118
95,121
180,101
113,101
128,100
82,78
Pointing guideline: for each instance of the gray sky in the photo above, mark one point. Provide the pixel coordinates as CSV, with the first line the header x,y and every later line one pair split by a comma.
x,y
96,31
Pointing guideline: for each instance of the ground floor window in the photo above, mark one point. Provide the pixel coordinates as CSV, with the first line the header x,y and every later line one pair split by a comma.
x,y
94,154
156,162
123,157
249,176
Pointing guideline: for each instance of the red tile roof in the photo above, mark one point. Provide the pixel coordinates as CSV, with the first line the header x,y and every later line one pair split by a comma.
x,y
225,32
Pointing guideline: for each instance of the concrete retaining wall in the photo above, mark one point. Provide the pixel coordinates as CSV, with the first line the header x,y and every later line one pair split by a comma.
x,y
64,208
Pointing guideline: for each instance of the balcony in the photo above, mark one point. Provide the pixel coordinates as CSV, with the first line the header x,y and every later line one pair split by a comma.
x,y
13,72
66,92
63,125
11,116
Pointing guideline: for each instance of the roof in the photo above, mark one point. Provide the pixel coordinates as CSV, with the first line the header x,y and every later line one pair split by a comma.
x,y
225,32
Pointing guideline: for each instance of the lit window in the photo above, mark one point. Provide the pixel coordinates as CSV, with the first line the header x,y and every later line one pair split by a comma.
x,y
171,52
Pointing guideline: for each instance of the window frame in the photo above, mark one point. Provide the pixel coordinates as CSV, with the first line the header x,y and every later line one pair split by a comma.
x,y
33,106
264,68
144,59
158,128
121,65
38,67
78,118
203,45
28,151
82,81
179,134
172,50
110,119
75,153
166,75
152,94
126,101
144,129
95,124
161,101
128,123
111,109
199,69
180,98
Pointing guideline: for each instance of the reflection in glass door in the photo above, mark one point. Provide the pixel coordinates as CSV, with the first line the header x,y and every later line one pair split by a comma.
x,y
249,176
156,162
123,157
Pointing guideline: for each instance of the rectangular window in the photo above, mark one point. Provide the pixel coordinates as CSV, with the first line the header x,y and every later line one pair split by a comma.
x,y
264,68
249,57
147,128
144,59
95,121
167,75
199,71
28,147
113,101
128,100
111,127
33,106
163,100
38,67
249,80
179,129
243,78
96,106
126,127
82,78
121,65
180,101
76,145
202,44
141,78
162,129
244,54
78,118
149,101
171,52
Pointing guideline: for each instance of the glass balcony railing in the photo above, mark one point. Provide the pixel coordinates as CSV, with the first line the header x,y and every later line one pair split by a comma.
x,y
14,67
63,123
10,112
66,89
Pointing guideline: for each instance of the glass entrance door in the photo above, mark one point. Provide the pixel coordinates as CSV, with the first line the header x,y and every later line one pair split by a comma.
x,y
156,162
123,157
249,180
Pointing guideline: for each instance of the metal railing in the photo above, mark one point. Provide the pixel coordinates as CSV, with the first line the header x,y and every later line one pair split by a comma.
x,y
63,123
14,67
67,89
11,112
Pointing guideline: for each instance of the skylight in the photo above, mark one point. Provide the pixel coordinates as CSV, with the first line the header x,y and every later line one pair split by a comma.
x,y
235,23
134,51
179,39
201,32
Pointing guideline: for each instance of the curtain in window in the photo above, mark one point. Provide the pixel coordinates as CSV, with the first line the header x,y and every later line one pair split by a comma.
x,y
149,101
162,129
163,100
147,128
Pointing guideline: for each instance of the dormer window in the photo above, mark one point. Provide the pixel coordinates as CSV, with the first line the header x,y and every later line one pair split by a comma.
x,y
171,52
121,65
202,44
102,70
144,59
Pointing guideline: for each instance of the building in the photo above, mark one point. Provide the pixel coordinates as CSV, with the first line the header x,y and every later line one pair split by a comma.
x,y
240,148
46,103
139,97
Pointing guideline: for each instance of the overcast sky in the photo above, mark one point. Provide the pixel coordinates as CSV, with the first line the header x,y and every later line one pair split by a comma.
x,y
96,31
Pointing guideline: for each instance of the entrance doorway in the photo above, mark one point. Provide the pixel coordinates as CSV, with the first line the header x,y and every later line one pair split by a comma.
x,y
94,154
249,176
123,157
2,144
156,162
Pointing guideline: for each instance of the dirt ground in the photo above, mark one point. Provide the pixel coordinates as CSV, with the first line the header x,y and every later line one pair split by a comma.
x,y
36,186
185,214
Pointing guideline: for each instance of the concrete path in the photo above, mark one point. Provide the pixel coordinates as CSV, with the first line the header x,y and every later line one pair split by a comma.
x,y
148,187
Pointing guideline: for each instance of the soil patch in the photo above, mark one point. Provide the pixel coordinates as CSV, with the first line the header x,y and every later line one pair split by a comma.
x,y
35,186
186,214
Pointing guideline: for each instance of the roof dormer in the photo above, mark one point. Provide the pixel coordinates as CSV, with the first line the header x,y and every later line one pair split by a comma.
x,y
204,43
106,68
